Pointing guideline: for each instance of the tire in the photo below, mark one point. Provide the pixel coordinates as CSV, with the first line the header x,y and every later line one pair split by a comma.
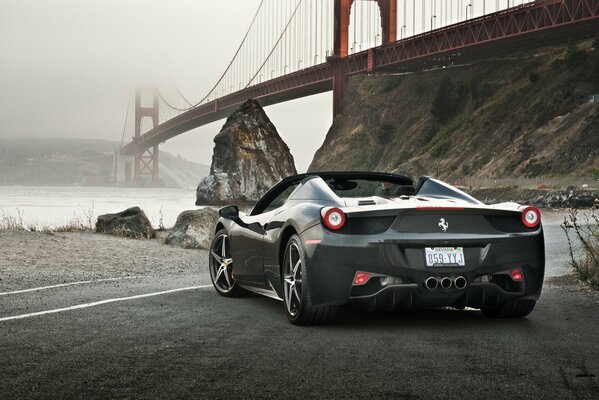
x,y
517,308
296,293
219,264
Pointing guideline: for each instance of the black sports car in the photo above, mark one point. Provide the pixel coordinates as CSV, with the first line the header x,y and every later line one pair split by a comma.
x,y
322,240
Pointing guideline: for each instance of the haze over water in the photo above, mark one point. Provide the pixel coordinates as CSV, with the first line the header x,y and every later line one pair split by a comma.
x,y
43,206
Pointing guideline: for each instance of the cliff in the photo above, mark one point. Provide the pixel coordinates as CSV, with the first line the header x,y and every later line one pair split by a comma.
x,y
249,158
527,115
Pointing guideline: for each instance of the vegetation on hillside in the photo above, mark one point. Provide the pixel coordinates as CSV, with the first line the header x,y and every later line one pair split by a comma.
x,y
525,115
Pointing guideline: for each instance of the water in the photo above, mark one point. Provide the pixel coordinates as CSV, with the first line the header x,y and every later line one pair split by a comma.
x,y
47,206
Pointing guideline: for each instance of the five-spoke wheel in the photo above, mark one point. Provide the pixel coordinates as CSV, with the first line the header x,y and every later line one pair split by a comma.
x,y
296,293
221,266
292,279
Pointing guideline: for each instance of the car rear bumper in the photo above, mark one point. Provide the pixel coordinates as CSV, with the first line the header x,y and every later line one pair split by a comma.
x,y
396,264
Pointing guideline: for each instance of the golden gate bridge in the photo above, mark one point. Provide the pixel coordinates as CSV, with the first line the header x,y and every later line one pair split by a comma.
x,y
297,48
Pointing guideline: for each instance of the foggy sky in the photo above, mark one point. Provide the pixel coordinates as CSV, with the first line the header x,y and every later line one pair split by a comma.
x,y
68,68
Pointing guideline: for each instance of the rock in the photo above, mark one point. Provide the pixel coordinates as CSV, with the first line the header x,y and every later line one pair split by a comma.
x,y
193,229
131,223
249,158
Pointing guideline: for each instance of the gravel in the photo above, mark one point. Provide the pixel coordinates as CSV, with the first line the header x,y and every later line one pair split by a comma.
x,y
31,259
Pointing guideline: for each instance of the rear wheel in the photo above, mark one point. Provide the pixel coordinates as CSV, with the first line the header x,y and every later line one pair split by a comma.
x,y
517,308
221,265
298,304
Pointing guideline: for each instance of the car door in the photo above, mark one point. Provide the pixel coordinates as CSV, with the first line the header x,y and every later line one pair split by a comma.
x,y
246,249
247,239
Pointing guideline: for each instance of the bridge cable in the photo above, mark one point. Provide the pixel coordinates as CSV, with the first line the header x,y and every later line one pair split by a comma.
x,y
169,104
125,124
226,70
276,43
181,94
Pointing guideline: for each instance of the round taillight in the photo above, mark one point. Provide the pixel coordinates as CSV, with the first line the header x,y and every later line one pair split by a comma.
x,y
531,217
334,219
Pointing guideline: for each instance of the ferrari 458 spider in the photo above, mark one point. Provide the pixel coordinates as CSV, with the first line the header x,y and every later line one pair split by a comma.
x,y
318,241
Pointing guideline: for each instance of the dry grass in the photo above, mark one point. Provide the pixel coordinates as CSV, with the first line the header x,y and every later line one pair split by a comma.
x,y
79,223
586,229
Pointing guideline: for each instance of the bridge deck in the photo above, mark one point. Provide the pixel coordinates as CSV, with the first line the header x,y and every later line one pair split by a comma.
x,y
530,26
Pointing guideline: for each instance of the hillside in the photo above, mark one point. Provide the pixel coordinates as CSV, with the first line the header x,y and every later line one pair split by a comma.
x,y
35,161
528,115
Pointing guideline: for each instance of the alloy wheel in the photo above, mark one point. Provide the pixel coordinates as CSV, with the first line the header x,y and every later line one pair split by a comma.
x,y
222,263
293,279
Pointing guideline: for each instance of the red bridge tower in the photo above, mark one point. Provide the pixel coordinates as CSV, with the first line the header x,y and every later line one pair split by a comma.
x,y
145,163
388,10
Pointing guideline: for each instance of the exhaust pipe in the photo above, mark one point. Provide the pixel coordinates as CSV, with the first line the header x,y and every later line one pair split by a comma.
x,y
431,283
445,283
460,282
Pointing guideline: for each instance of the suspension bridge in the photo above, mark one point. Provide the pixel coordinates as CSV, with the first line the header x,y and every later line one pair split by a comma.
x,y
297,48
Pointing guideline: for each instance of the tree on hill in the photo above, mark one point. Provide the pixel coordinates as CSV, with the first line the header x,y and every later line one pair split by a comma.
x,y
445,102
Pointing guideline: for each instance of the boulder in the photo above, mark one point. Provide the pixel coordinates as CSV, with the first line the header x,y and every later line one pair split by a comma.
x,y
249,158
131,223
193,229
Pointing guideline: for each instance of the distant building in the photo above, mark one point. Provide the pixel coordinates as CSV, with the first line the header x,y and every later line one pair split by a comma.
x,y
594,98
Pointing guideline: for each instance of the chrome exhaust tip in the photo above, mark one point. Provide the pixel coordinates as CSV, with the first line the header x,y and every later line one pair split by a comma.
x,y
460,282
445,283
431,283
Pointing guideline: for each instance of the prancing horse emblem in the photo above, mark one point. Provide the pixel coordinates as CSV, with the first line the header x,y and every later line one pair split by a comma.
x,y
443,224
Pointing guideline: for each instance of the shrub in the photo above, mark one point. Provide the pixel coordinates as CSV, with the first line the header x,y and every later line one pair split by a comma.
x,y
441,148
585,260
445,102
596,44
385,133
533,77
575,57
391,83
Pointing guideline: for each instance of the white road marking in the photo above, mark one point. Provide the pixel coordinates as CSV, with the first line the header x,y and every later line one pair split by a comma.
x,y
68,284
101,302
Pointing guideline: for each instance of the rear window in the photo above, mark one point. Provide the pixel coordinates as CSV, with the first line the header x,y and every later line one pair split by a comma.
x,y
368,188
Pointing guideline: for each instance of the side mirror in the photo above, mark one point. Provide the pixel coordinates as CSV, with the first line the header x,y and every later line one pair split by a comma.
x,y
229,212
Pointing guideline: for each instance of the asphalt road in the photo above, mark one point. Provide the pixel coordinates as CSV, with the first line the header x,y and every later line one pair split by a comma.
x,y
174,337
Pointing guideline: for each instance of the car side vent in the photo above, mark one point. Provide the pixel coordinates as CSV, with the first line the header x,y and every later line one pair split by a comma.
x,y
366,202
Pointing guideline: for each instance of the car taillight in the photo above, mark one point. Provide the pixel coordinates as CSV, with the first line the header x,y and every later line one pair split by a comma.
x,y
333,218
361,278
531,217
517,275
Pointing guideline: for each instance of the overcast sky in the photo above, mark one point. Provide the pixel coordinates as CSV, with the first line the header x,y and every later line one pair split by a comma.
x,y
68,68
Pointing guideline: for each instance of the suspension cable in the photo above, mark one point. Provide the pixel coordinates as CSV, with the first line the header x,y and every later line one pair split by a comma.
x,y
181,94
125,124
226,70
276,43
169,104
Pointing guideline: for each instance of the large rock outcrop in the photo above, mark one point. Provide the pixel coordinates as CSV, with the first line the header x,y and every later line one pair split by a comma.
x,y
528,116
249,157
131,223
194,229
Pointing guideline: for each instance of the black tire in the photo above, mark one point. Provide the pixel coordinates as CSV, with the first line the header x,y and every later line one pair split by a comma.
x,y
219,265
517,308
296,292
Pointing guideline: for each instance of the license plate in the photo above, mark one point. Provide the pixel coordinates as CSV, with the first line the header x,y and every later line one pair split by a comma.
x,y
444,257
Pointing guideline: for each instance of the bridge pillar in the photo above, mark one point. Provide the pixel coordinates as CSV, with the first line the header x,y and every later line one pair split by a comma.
x,y
339,84
145,163
388,20
388,10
